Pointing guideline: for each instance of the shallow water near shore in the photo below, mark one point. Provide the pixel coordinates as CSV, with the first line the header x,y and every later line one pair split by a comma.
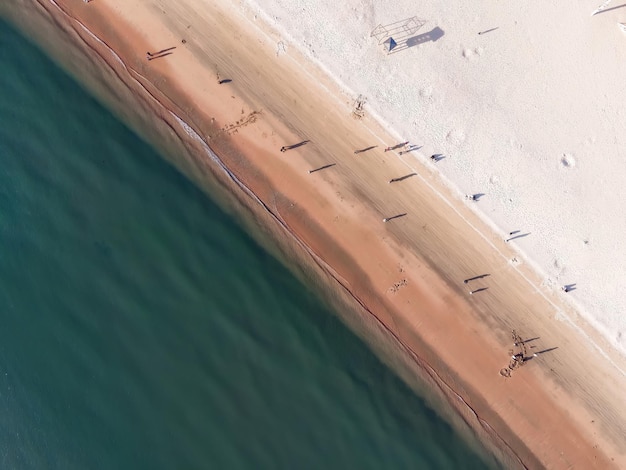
x,y
142,328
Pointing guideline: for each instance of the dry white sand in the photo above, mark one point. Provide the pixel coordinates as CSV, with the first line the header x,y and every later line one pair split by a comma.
x,y
532,114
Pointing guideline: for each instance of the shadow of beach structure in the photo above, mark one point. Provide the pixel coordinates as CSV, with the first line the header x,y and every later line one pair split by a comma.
x,y
433,35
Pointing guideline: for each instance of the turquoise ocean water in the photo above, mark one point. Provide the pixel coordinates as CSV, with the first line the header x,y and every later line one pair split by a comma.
x,y
142,329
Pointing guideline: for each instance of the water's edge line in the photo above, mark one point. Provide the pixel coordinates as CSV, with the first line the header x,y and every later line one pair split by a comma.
x,y
444,387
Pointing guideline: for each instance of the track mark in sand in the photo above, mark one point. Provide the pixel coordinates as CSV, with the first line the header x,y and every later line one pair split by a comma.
x,y
456,136
398,285
568,160
281,48
515,262
590,141
249,119
552,279
358,107
426,92
470,53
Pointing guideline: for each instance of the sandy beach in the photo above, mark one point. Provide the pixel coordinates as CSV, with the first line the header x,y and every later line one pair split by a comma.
x,y
522,101
324,206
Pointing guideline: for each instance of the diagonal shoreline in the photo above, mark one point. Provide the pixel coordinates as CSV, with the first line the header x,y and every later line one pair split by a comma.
x,y
585,324
323,257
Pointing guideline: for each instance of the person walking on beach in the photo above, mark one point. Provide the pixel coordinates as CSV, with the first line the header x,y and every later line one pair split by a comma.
x,y
284,148
161,53
397,146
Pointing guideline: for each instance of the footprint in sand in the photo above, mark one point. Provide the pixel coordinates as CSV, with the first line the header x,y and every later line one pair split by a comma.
x,y
590,141
456,136
469,53
426,92
398,285
281,48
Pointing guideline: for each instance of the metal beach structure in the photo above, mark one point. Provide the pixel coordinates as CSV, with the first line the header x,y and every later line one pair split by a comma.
x,y
394,34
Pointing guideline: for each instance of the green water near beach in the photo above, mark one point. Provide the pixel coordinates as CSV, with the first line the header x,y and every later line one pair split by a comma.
x,y
143,329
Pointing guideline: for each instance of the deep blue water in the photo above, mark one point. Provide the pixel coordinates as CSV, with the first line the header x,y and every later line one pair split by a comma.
x,y
141,328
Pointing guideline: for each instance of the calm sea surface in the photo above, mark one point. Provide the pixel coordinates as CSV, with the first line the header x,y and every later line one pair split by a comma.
x,y
142,329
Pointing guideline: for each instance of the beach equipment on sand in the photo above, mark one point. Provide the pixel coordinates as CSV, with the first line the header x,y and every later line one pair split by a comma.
x,y
390,43
397,33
